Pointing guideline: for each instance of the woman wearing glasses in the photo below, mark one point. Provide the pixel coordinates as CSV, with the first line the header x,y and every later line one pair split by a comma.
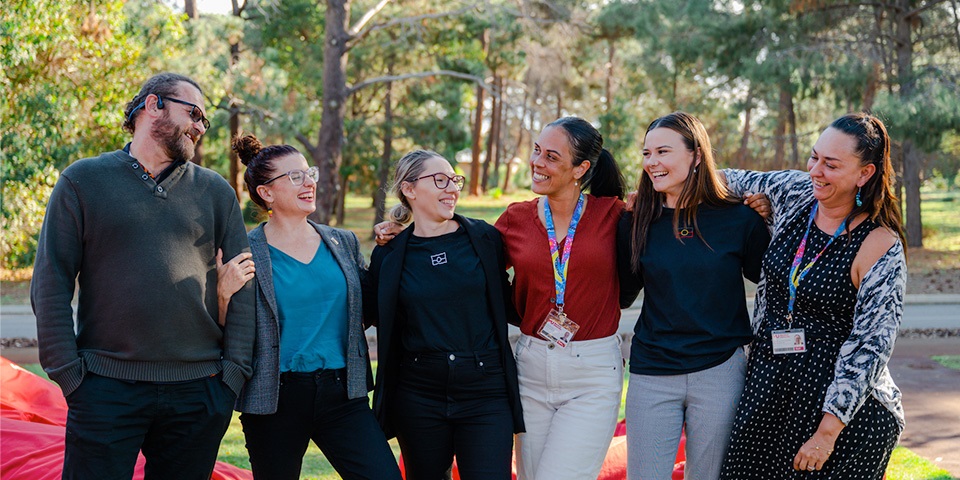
x,y
439,295
311,372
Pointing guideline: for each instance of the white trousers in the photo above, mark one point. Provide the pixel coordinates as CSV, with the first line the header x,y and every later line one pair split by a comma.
x,y
571,400
657,408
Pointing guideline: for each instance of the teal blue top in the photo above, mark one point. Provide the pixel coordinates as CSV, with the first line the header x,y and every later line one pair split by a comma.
x,y
312,303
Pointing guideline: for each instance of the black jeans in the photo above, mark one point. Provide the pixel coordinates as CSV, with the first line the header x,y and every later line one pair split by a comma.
x,y
450,404
177,426
314,406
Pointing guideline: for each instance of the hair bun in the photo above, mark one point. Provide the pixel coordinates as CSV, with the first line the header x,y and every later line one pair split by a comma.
x,y
247,147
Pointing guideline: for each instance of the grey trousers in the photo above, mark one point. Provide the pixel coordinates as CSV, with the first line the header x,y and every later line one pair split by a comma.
x,y
659,406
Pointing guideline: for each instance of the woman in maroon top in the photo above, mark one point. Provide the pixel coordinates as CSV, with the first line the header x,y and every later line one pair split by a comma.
x,y
568,356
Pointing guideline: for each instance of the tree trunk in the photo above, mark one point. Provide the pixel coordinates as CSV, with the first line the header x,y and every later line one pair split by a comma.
x,y
190,8
521,133
474,188
743,152
383,173
792,121
911,184
492,136
328,154
611,51
498,154
236,179
870,89
559,104
911,156
341,205
780,133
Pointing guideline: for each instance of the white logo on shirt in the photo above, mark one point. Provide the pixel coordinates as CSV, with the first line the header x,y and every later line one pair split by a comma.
x,y
438,259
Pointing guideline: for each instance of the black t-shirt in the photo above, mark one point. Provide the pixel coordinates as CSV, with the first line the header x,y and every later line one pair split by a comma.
x,y
443,296
694,312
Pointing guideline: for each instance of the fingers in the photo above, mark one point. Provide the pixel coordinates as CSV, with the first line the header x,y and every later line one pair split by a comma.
x,y
810,457
219,257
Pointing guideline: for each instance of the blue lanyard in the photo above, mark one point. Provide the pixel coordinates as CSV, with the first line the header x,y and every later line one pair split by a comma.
x,y
797,274
561,260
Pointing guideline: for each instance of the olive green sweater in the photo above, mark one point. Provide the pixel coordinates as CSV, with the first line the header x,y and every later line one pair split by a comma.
x,y
144,256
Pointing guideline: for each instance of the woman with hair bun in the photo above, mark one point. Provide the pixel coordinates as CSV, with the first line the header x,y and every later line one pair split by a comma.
x,y
311,371
439,296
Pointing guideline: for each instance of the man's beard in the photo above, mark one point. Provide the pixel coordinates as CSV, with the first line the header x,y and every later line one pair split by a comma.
x,y
173,140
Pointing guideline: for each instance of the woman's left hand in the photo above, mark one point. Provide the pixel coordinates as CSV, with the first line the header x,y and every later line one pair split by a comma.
x,y
816,451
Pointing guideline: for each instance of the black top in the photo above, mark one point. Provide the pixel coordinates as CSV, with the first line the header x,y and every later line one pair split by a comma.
x,y
443,294
694,312
381,307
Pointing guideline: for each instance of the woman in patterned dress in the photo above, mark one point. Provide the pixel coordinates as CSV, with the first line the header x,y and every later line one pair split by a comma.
x,y
835,275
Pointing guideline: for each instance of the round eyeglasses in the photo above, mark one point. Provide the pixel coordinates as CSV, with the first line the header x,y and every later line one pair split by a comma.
x,y
297,177
442,180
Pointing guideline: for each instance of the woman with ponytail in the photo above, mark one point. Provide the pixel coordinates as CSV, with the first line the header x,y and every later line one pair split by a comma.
x,y
439,296
311,371
834,276
688,243
562,247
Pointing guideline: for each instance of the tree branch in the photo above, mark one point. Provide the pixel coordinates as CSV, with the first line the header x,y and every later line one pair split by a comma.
x,y
357,36
366,17
305,141
448,73
927,6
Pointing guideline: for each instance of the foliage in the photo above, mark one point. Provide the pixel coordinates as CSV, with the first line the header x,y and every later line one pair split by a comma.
x,y
26,201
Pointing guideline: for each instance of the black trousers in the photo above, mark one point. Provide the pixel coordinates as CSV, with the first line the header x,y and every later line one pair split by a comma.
x,y
450,404
178,427
314,406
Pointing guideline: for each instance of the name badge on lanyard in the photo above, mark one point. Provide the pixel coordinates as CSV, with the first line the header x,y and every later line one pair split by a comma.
x,y
794,340
557,327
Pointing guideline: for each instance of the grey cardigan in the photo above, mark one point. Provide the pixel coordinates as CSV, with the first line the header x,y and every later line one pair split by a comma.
x,y
259,395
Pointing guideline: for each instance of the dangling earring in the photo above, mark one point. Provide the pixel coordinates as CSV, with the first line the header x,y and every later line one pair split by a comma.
x,y
270,211
859,202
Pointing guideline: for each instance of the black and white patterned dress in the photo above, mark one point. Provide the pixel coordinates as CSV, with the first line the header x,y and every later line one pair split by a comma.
x,y
849,336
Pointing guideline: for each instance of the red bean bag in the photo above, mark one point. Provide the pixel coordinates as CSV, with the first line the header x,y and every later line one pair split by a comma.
x,y
33,415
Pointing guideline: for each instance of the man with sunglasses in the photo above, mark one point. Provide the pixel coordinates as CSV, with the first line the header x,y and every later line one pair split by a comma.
x,y
147,367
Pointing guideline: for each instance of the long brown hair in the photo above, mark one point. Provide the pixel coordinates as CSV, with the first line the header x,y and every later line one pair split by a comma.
x,y
873,147
701,186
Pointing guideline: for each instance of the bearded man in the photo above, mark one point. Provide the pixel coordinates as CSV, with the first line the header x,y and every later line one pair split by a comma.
x,y
147,367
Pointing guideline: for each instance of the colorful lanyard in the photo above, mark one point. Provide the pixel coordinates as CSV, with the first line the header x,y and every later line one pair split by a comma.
x,y
561,261
795,273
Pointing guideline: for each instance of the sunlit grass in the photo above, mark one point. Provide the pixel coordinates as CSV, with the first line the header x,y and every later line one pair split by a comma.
x,y
906,465
949,361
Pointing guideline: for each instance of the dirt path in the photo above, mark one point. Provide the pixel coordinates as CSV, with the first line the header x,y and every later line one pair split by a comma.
x,y
931,399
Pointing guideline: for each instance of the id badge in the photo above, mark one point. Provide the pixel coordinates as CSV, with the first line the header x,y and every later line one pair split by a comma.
x,y
558,328
788,341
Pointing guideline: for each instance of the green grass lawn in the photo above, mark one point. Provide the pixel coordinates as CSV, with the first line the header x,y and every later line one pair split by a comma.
x,y
949,361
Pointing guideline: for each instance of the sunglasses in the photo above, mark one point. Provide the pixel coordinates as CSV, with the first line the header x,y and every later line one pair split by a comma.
x,y
442,180
196,113
297,177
